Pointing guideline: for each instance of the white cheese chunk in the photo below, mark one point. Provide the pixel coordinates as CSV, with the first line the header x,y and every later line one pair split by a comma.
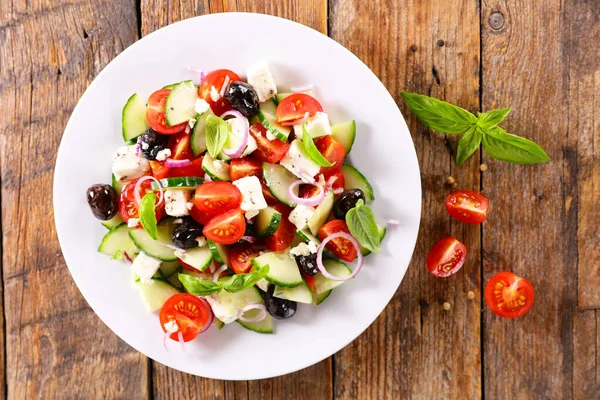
x,y
214,94
201,106
201,241
189,205
316,126
260,78
176,202
127,166
133,222
300,216
250,146
163,155
297,162
300,250
145,267
251,214
252,194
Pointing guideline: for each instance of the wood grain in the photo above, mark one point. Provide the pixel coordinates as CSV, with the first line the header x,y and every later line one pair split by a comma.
x,y
56,347
586,366
416,349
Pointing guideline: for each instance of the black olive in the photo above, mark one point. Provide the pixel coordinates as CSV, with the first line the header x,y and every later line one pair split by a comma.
x,y
346,202
308,264
103,201
250,231
152,143
243,98
278,308
185,233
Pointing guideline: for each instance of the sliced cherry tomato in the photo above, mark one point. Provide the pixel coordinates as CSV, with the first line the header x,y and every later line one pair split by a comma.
x,y
159,169
509,295
467,206
180,147
200,216
269,151
308,191
128,207
296,106
446,257
269,198
284,235
226,228
194,169
155,114
341,247
240,257
189,313
310,280
247,166
339,182
216,79
333,151
217,197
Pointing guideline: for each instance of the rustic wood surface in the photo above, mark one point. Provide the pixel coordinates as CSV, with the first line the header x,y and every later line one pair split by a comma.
x,y
540,57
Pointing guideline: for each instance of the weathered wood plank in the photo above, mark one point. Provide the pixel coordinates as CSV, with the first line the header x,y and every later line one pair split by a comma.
x,y
416,349
586,355
311,383
56,347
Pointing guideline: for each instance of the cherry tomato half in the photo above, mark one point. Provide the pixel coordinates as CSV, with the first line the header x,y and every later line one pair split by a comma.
x,y
155,114
189,313
333,151
446,257
159,169
200,216
467,206
216,79
341,247
295,106
180,147
284,235
194,169
128,207
217,197
226,228
509,295
240,257
269,151
247,166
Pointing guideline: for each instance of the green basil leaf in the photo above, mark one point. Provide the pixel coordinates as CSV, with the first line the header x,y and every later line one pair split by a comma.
x,y
311,150
217,131
198,287
439,115
468,144
492,118
514,149
148,215
363,226
240,282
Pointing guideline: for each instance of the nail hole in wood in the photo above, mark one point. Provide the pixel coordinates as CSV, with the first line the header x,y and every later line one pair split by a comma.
x,y
413,48
441,43
496,20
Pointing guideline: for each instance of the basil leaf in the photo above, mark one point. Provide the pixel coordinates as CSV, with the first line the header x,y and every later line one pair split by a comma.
x,y
468,144
217,131
148,215
198,287
492,118
311,150
239,282
439,115
363,226
514,149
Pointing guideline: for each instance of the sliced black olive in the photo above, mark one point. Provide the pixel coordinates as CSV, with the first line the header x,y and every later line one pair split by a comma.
x,y
308,264
346,202
152,143
103,201
278,308
185,233
243,98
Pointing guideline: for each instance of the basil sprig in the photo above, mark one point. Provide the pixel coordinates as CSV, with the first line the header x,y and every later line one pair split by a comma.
x,y
217,131
311,150
233,284
148,215
363,226
482,129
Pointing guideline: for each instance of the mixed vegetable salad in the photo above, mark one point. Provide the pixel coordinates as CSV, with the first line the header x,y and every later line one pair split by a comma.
x,y
234,202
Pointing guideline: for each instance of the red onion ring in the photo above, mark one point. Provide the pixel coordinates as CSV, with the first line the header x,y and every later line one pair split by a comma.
x,y
129,259
245,132
258,318
138,186
224,87
312,201
181,342
354,242
393,222
169,162
207,178
137,146
200,72
218,272
168,334
211,317
249,239
305,88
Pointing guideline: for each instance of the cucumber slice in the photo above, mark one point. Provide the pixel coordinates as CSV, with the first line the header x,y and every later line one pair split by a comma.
x,y
283,270
117,241
345,133
113,222
321,214
299,294
175,282
210,166
156,248
270,123
198,138
219,252
278,180
269,106
155,295
267,221
167,269
280,96
355,180
227,306
321,297
335,268
172,85
133,118
180,103
118,186
382,232
198,257
263,285
183,183
264,326
307,236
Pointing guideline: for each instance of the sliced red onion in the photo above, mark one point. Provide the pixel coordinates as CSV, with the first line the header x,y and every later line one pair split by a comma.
x,y
249,239
211,268
207,178
296,122
188,129
200,72
129,259
181,342
312,201
224,88
331,180
393,222
169,162
137,146
245,128
138,186
305,88
218,272
359,261
169,332
258,318
211,317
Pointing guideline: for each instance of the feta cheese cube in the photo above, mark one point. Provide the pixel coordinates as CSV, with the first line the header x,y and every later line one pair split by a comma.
x,y
127,166
252,195
201,106
214,94
260,78
192,122
133,222
300,250
163,154
145,267
297,162
201,241
250,146
176,202
251,214
300,216
317,126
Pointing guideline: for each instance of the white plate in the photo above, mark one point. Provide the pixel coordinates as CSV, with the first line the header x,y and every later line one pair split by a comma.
x,y
297,55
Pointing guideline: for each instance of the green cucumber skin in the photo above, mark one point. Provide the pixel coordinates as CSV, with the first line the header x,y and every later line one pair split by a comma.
x,y
275,131
173,113
354,179
133,118
323,296
272,183
345,133
272,225
113,222
184,183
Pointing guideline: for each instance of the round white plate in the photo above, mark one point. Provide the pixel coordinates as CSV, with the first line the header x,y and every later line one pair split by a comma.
x,y
297,55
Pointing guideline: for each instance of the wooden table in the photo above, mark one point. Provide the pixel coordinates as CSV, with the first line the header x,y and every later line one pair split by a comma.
x,y
540,57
